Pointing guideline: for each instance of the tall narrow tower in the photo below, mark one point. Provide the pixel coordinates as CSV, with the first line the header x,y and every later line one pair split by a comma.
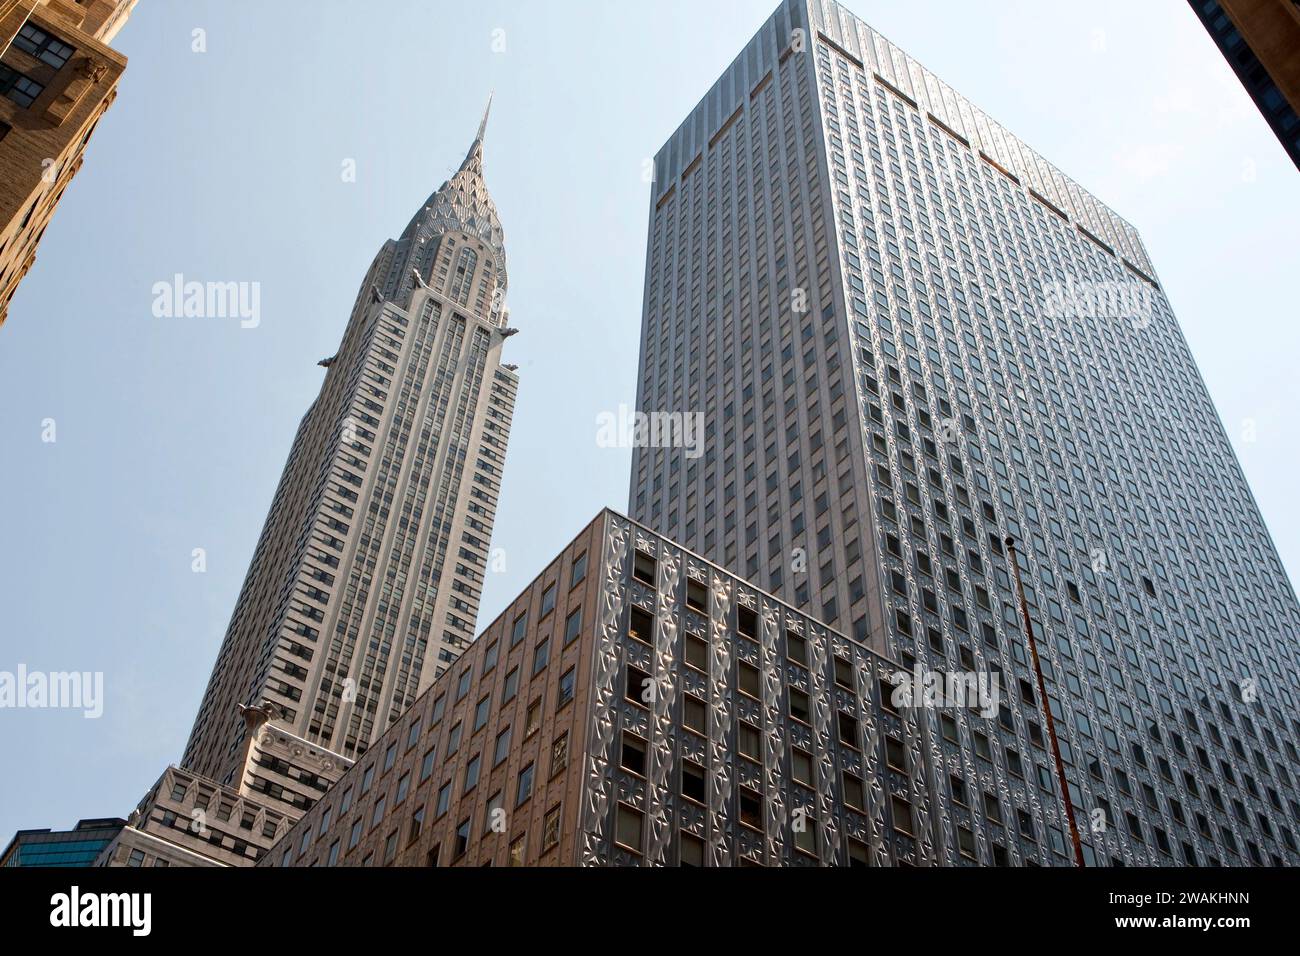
x,y
911,337
366,580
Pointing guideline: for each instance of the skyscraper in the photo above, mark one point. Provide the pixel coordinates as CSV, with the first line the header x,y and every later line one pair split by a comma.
x,y
57,77
365,583
1261,41
911,337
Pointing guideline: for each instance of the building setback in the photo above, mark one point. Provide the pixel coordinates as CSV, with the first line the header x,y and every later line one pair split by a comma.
x,y
190,820
909,337
57,77
365,583
637,705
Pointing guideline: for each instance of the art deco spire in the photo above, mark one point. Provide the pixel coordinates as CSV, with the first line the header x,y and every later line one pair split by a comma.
x,y
462,204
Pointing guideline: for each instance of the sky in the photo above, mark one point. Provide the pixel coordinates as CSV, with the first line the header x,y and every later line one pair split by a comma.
x,y
227,163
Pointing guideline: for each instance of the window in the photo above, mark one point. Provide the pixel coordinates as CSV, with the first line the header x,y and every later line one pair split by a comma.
x,y
697,653
692,781
444,799
566,687
32,39
858,854
541,656
367,779
579,573
490,656
471,773
799,705
390,848
525,788
494,820
518,847
640,626
502,750
519,630
639,687
796,648
548,601
559,754
805,837
413,735
747,622
749,741
572,627
533,718
966,842
22,89
848,730
481,713
692,851
438,706
896,754
634,750
462,839
463,687
511,687
801,767
355,836
426,766
643,568
887,704
697,596
378,815
628,827
551,829
417,824
751,809
694,714
390,757
453,740
902,811
403,786
844,672
748,680
854,795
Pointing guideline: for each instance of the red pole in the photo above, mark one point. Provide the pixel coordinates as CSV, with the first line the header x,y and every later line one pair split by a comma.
x,y
1047,708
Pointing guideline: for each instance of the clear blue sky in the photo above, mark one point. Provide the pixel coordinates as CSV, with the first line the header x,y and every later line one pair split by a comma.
x,y
225,165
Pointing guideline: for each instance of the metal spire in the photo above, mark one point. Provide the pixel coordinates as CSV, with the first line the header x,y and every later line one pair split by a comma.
x,y
482,127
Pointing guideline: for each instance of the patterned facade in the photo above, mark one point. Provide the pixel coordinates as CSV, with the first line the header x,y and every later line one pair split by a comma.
x,y
911,337
637,705
57,78
365,584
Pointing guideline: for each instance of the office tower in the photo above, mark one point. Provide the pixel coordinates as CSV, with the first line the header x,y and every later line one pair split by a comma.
x,y
79,846
365,583
57,76
911,337
1261,41
637,705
